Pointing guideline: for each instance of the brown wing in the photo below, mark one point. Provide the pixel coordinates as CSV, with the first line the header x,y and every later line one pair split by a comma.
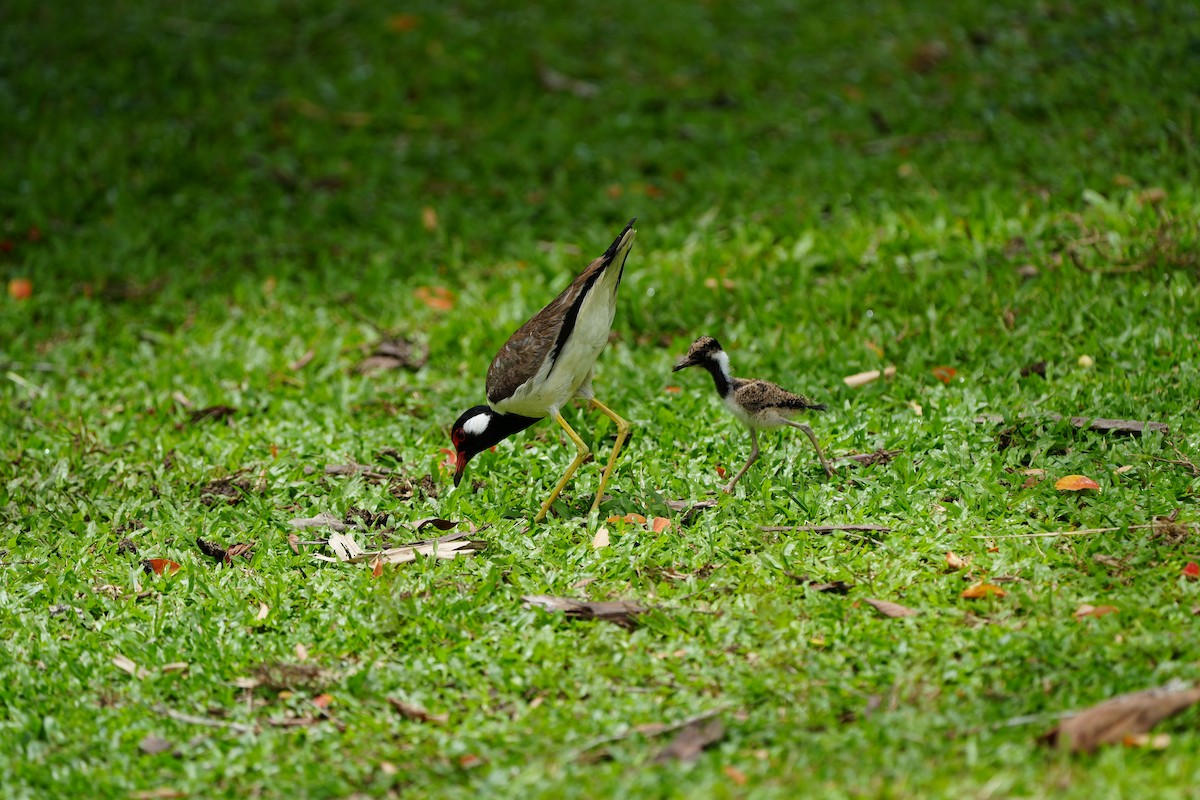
x,y
756,396
541,337
522,355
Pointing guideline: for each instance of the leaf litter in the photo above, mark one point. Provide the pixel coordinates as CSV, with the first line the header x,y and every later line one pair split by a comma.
x,y
225,555
618,612
1117,720
395,353
346,549
890,609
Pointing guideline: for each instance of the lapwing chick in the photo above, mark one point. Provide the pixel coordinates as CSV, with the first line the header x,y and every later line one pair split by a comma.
x,y
546,363
758,404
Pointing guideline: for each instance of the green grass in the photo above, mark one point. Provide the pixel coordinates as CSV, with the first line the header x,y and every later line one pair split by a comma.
x,y
218,188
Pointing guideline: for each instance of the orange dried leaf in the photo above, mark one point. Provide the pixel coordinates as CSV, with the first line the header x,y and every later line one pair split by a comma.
x,y
377,568
1192,570
660,524
322,700
439,298
673,390
944,374
1075,483
734,774
720,471
160,565
982,589
20,288
429,218
1089,610
402,23
955,562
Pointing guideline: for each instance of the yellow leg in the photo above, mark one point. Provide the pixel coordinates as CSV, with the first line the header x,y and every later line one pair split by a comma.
x,y
580,454
622,435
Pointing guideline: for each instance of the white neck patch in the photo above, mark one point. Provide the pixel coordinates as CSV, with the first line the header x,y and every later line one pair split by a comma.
x,y
722,359
477,424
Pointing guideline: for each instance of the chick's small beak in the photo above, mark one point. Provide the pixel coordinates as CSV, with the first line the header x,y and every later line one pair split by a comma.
x,y
681,364
459,465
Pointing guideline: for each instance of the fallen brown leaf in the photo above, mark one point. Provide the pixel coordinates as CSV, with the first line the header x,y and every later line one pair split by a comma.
x,y
944,374
20,288
600,539
303,361
322,520
734,774
831,587
402,23
618,612
955,562
437,522
1089,610
555,81
160,565
212,413
394,354
879,456
1075,483
224,554
429,220
161,793
692,740
982,589
890,609
1126,715
409,711
439,298
152,745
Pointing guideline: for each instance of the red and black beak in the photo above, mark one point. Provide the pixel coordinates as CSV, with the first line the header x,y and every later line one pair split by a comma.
x,y
460,464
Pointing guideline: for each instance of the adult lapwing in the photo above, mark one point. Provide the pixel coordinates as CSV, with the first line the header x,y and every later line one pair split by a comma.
x,y
547,362
758,404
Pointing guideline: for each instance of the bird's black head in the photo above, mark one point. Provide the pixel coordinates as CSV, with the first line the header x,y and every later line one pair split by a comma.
x,y
703,351
479,428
